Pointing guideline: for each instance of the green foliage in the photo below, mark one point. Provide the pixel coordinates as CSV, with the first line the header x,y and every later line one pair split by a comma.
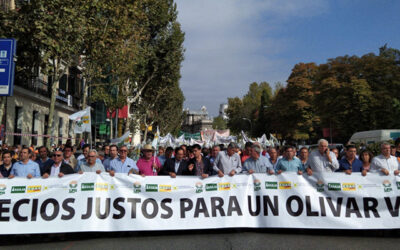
x,y
219,123
244,114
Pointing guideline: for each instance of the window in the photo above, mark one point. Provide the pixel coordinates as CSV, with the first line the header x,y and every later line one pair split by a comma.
x,y
35,126
17,125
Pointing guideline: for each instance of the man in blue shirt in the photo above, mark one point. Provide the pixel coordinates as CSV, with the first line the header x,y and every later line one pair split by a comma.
x,y
44,161
257,163
25,167
113,154
350,163
123,164
289,162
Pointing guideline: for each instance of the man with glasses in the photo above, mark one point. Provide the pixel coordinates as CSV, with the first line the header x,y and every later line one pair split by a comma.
x,y
69,157
25,167
123,164
91,165
148,164
59,167
86,150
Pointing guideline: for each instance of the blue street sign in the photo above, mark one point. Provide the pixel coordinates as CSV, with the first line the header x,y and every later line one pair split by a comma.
x,y
7,66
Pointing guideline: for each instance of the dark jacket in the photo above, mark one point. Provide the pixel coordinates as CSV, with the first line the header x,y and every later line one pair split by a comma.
x,y
169,166
64,168
4,172
208,168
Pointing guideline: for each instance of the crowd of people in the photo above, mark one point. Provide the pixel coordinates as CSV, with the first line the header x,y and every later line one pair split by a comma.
x,y
30,162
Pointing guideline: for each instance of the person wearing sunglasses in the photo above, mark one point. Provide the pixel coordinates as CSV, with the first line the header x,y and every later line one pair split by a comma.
x,y
59,167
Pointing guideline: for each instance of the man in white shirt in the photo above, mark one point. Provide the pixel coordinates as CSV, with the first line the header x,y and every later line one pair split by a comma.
x,y
322,160
385,162
228,162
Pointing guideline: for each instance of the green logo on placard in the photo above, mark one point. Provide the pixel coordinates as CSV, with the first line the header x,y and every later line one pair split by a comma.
x,y
199,187
334,187
387,186
271,185
151,187
257,185
320,186
3,188
398,184
137,187
18,189
211,187
87,186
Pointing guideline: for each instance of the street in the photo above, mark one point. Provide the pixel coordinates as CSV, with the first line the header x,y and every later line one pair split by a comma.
x,y
212,239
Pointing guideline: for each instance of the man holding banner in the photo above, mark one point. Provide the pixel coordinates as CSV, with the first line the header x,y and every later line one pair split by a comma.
x,y
257,163
228,162
385,162
148,164
322,160
25,167
123,164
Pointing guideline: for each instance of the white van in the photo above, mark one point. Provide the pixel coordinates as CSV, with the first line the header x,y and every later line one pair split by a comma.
x,y
373,136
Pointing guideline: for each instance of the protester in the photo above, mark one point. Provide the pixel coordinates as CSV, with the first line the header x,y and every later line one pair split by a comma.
x,y
91,165
393,150
148,164
25,167
113,154
122,163
44,161
168,153
59,167
107,151
101,156
322,160
228,162
69,157
336,152
199,165
289,162
247,152
397,144
6,167
350,163
176,166
214,152
85,153
161,155
366,158
303,156
257,163
385,162
273,157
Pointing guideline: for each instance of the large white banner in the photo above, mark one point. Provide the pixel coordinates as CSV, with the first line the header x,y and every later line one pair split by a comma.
x,y
92,202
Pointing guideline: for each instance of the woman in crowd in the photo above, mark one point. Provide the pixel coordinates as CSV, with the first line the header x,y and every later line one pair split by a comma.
x,y
366,158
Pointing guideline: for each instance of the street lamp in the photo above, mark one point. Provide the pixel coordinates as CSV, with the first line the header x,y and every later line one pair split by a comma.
x,y
251,125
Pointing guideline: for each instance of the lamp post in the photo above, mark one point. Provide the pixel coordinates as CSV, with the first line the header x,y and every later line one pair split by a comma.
x,y
251,125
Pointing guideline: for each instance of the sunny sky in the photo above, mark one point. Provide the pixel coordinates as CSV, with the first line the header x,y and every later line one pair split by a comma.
x,y
231,43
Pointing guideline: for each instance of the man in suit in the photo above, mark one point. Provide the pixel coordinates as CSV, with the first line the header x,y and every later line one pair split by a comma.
x,y
176,166
59,167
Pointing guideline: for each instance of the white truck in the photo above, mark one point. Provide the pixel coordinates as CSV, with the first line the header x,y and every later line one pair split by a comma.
x,y
373,136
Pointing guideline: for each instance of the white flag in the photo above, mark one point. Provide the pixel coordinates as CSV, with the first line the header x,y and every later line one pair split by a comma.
x,y
154,144
123,140
82,121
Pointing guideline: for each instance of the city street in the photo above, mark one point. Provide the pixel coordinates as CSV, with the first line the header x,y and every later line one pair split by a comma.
x,y
212,239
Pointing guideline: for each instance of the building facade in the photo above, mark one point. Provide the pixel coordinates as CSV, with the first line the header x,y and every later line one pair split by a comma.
x,y
27,110
196,121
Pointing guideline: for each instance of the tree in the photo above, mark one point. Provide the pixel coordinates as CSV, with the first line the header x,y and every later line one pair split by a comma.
x,y
219,123
50,35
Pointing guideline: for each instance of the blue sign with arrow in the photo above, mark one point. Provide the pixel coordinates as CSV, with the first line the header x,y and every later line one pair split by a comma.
x,y
7,66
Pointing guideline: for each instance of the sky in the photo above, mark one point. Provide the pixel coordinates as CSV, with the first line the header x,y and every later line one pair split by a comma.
x,y
232,43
